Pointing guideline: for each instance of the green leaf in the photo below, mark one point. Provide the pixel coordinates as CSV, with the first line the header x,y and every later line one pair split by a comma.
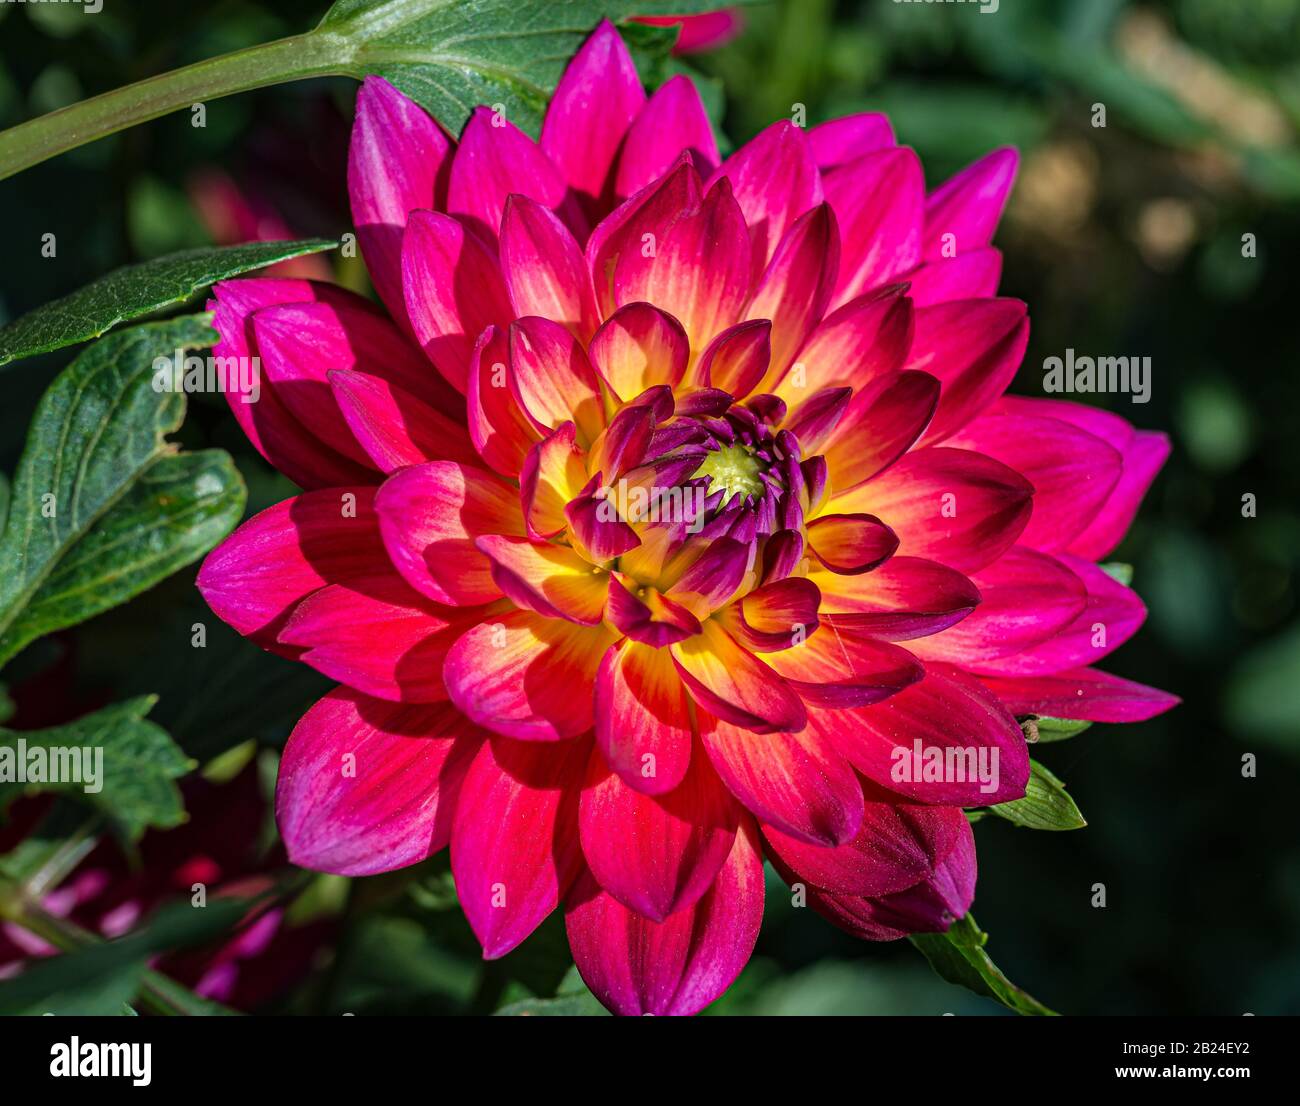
x,y
1045,805
1041,729
452,57
113,759
959,957
1118,570
127,509
101,978
136,290
562,1006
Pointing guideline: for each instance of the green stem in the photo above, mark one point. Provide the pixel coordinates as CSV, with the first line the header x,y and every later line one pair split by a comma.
x,y
315,54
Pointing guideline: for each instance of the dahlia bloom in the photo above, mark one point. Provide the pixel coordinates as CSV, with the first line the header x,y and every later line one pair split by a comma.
x,y
616,594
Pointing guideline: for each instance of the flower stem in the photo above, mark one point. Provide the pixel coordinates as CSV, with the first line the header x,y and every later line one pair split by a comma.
x,y
314,54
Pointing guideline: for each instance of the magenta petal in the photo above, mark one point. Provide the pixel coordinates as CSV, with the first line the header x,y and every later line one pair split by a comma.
x,y
1073,472
1026,599
930,906
514,848
274,431
1082,693
879,202
969,206
595,102
775,180
494,159
656,854
676,967
386,640
968,276
1143,460
1112,614
797,286
255,578
672,120
848,138
429,516
643,721
974,347
367,786
544,269
898,846
398,162
454,290
904,599
526,676
394,427
794,781
948,710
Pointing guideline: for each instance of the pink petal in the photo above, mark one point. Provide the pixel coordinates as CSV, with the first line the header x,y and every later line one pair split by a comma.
x,y
593,106
946,711
796,288
968,276
898,845
494,159
643,724
851,544
1143,460
948,505
905,598
429,516
779,615
274,431
737,359
255,578
637,966
775,180
398,162
930,906
552,378
974,347
1072,471
453,290
549,579
1083,693
845,666
879,201
514,846
656,854
501,431
672,120
848,138
526,676
883,421
553,473
864,341
544,270
970,205
394,427
1026,598
1111,615
639,347
794,781
367,786
698,270
386,640
648,212
734,684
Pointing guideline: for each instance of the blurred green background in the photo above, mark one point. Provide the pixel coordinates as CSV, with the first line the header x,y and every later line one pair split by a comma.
x,y
1125,239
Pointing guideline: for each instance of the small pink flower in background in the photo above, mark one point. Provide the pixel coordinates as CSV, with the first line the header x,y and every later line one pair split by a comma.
x,y
218,847
706,31
857,543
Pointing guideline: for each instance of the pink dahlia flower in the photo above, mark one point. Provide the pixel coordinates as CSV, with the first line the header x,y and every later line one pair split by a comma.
x,y
611,536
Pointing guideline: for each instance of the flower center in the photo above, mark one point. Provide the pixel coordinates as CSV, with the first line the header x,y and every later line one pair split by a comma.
x,y
733,470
